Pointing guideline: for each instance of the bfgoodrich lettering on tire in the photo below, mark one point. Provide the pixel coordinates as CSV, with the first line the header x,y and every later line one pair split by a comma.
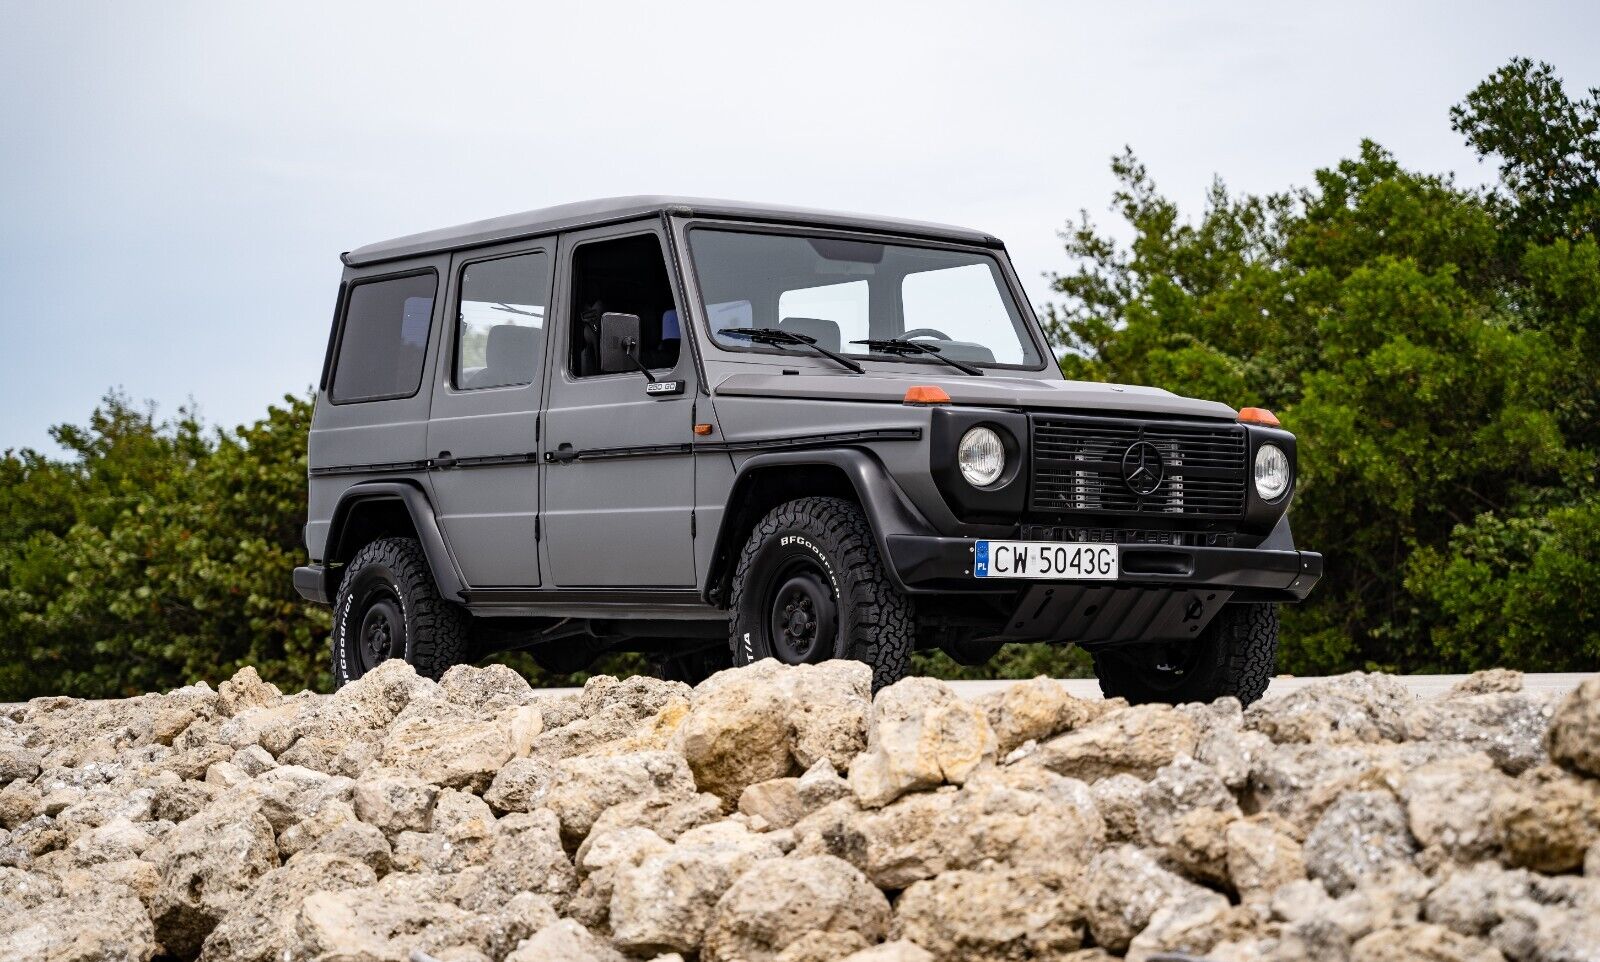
x,y
810,586
388,607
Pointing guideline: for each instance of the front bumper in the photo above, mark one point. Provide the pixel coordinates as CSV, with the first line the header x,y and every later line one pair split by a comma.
x,y
1164,592
933,562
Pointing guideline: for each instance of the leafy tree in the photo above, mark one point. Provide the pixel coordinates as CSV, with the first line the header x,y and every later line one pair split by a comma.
x,y
1433,348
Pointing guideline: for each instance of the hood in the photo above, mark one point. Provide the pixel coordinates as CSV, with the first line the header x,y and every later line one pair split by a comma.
x,y
990,391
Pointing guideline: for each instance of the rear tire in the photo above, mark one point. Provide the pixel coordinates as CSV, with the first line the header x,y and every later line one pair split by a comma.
x,y
1235,655
389,607
810,586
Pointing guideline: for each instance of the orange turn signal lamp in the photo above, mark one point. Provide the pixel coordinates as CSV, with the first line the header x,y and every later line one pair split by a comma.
x,y
927,394
1258,416
702,429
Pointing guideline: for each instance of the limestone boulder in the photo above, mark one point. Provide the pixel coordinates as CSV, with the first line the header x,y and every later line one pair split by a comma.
x,y
922,735
1034,710
89,923
993,916
1136,741
666,902
1123,890
777,901
1362,836
1357,707
261,927
207,867
1574,737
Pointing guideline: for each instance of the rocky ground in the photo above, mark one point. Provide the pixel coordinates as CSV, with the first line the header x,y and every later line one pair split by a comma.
x,y
782,815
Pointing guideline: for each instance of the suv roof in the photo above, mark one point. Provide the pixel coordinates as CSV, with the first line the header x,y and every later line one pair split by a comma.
x,y
590,213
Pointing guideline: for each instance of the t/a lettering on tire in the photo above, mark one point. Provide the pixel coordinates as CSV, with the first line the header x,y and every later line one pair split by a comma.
x,y
389,607
810,586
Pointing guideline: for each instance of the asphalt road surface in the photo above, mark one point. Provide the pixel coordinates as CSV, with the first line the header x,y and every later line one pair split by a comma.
x,y
1425,686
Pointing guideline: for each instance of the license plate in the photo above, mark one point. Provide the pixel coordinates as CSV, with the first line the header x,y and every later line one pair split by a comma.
x,y
1054,560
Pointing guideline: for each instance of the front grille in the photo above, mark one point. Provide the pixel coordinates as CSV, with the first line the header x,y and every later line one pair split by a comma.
x,y
1078,468
1130,536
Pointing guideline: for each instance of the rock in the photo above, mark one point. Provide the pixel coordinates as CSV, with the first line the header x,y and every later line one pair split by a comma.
x,y
1185,812
261,928
782,802
1022,818
207,868
666,902
334,830
584,787
1123,890
487,690
1487,681
394,802
91,923
1034,710
900,950
737,732
821,947
526,856
776,902
1548,819
444,749
1450,806
1356,707
1299,781
1118,799
922,735
1510,726
520,785
1193,927
564,941
18,763
1362,836
253,760
992,916
1135,741
1431,942
828,717
607,712
1574,739
1263,857
19,801
461,832
244,691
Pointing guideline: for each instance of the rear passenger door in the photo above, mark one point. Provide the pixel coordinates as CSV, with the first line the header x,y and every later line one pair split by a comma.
x,y
483,433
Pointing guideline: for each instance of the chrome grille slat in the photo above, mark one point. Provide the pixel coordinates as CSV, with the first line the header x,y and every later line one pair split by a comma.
x,y
1077,467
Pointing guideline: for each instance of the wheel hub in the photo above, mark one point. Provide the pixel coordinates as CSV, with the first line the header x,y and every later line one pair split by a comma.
x,y
804,618
382,632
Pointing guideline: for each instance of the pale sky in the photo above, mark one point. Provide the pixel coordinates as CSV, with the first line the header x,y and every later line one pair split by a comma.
x,y
177,180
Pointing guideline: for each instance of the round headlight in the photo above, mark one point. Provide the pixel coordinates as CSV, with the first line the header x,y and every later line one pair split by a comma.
x,y
982,457
1272,472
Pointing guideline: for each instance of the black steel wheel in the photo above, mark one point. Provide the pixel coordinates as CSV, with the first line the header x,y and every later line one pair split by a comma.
x,y
388,607
810,586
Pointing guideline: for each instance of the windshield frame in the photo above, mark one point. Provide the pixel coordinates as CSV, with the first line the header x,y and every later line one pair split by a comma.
x,y
1009,288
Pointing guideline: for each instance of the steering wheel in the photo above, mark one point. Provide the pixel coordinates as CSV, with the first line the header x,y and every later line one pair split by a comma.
x,y
926,332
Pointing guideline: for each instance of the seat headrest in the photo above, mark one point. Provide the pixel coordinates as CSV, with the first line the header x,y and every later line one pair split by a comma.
x,y
512,353
670,330
825,332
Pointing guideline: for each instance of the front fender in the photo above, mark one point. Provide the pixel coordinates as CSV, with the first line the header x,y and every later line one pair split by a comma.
x,y
888,510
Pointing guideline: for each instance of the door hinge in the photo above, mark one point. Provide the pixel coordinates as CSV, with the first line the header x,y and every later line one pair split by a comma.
x,y
692,529
536,532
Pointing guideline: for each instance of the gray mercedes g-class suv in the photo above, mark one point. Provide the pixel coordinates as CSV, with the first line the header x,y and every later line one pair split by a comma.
x,y
718,432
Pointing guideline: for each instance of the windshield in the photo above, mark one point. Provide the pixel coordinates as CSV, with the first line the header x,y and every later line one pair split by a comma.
x,y
839,291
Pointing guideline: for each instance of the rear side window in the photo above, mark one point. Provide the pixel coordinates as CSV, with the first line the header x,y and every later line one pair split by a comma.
x,y
500,324
384,338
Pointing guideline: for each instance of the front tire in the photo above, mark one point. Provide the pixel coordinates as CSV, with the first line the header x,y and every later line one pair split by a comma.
x,y
810,586
1235,655
389,607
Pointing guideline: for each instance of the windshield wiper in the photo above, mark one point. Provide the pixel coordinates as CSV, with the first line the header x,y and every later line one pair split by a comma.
x,y
773,336
905,348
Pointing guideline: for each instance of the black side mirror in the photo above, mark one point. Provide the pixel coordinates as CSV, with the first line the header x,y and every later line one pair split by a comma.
x,y
619,344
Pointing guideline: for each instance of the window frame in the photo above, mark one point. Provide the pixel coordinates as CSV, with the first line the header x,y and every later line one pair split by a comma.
x,y
454,372
999,263
346,294
571,318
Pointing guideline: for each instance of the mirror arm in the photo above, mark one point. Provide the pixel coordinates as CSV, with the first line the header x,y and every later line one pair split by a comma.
x,y
630,347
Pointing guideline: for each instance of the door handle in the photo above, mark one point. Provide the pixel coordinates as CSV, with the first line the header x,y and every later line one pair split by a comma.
x,y
444,459
564,453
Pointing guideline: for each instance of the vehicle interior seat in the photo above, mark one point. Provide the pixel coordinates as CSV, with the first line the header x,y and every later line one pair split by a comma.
x,y
825,332
512,355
